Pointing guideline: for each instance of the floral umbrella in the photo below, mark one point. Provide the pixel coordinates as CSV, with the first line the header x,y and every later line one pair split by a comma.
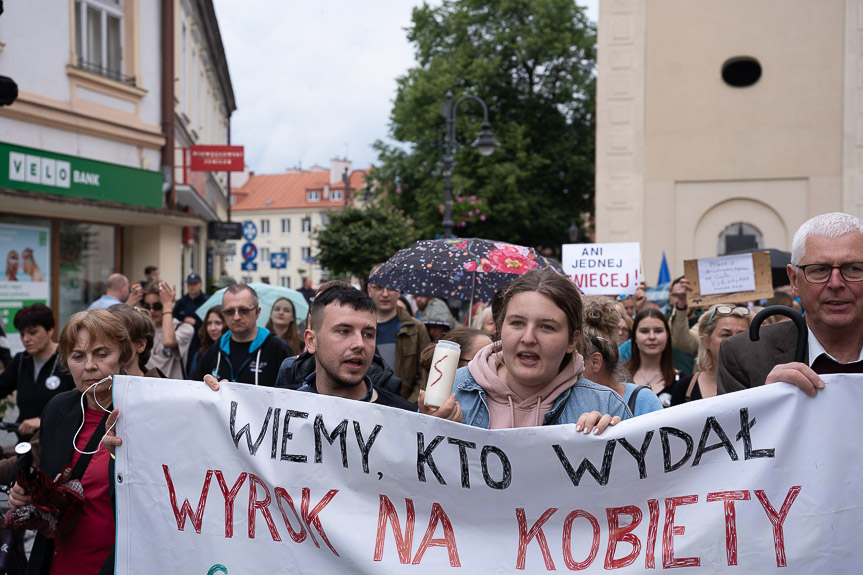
x,y
465,268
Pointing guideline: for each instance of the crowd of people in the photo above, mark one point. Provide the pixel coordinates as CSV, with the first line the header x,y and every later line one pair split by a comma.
x,y
538,354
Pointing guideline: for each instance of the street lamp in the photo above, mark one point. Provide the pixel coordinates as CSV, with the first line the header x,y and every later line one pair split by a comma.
x,y
485,143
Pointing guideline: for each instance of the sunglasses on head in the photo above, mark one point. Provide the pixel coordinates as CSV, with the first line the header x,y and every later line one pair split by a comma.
x,y
152,306
725,310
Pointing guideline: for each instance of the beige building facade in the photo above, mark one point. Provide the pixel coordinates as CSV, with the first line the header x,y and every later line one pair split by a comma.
x,y
698,155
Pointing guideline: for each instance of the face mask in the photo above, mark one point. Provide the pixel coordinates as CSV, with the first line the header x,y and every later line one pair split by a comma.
x,y
102,407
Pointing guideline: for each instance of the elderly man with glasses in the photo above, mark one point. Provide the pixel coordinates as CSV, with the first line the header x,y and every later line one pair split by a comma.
x,y
826,273
247,353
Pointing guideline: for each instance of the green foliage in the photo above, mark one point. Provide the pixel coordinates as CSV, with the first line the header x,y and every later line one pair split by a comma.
x,y
533,62
356,239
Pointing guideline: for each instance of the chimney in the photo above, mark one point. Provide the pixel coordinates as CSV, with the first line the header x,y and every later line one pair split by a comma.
x,y
337,169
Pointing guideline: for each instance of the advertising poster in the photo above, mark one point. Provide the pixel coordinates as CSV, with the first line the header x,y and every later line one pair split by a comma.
x,y
26,275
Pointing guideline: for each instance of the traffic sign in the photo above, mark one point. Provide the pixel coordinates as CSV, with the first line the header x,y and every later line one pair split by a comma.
x,y
278,260
250,230
249,266
250,252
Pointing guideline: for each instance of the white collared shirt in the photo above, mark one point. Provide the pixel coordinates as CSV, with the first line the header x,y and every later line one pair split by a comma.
x,y
816,349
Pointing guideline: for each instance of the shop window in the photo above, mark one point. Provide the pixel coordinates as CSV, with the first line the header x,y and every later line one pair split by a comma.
x,y
99,38
86,260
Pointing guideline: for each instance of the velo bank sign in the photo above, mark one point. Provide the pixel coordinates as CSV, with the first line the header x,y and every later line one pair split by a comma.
x,y
41,171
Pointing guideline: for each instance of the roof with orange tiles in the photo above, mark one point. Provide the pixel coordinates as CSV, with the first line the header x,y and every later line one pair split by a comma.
x,y
286,191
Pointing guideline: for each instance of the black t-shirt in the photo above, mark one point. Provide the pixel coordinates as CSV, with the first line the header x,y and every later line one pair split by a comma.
x,y
391,399
239,353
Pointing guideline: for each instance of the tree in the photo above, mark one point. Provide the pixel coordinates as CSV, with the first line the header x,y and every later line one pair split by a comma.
x,y
356,239
533,62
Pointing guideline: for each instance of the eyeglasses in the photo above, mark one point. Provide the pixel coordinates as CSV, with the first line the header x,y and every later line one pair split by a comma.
x,y
230,311
820,273
152,306
727,310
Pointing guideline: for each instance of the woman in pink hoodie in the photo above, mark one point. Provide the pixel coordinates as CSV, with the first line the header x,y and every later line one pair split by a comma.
x,y
532,375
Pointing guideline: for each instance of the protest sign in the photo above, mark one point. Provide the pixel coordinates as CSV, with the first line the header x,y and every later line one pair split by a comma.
x,y
603,269
259,480
727,279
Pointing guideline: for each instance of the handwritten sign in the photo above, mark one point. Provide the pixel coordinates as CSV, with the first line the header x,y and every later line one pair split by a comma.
x,y
726,274
603,269
279,481
762,273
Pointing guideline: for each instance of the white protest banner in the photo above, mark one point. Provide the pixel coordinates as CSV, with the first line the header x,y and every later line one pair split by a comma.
x,y
258,480
726,274
603,269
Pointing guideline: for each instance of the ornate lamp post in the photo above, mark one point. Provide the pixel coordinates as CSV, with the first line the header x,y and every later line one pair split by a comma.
x,y
485,143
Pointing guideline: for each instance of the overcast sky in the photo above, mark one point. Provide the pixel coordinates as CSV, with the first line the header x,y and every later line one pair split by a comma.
x,y
315,80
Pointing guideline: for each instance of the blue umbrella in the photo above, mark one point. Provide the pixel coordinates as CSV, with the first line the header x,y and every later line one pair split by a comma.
x,y
268,295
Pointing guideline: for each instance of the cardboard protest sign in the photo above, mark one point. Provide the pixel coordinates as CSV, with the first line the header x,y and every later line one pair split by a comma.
x,y
603,269
728,277
260,480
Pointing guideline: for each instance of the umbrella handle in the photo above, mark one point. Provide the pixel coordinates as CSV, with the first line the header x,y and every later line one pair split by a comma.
x,y
797,318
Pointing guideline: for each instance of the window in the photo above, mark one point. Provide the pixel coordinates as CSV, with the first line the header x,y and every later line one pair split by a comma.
x,y
229,260
336,195
99,38
286,226
265,279
286,282
313,196
265,227
247,279
265,255
287,252
307,225
739,237
306,254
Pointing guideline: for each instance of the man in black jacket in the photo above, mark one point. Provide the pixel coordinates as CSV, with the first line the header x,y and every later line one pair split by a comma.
x,y
341,338
247,353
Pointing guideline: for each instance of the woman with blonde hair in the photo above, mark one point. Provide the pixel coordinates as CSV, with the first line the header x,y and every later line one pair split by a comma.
x,y
718,323
601,357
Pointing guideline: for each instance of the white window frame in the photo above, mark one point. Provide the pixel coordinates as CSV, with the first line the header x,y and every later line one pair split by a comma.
x,y
285,281
313,196
105,10
305,253
265,227
286,232
287,252
265,255
336,196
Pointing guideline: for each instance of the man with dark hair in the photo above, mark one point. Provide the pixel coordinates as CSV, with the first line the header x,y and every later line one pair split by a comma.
x,y
185,308
151,276
401,338
341,338
247,353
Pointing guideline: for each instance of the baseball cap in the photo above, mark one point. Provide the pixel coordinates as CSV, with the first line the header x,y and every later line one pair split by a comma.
x,y
193,278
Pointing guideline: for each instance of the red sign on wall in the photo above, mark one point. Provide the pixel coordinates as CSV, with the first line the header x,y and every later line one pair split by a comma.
x,y
216,158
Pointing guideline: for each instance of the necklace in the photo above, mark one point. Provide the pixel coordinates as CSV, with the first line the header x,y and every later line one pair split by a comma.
x,y
647,382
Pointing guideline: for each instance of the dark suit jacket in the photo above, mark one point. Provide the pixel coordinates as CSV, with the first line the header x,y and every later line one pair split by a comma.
x,y
744,363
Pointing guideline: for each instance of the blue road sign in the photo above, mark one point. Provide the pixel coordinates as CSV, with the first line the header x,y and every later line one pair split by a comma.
x,y
278,261
249,251
249,266
250,230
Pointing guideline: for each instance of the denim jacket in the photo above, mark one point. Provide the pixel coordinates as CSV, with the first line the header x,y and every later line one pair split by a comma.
x,y
584,396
